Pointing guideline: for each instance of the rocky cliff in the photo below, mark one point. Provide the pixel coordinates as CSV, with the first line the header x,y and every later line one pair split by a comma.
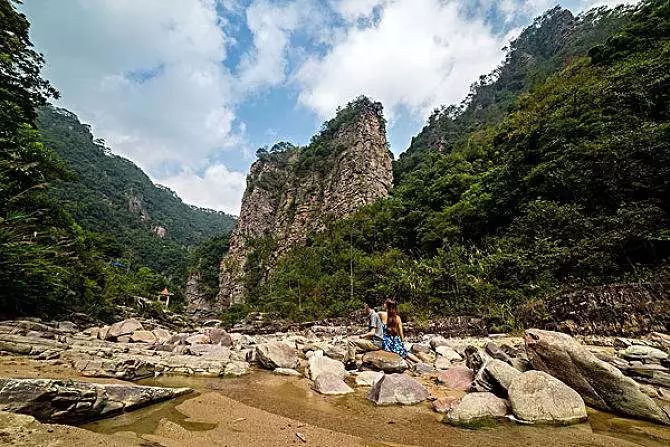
x,y
294,191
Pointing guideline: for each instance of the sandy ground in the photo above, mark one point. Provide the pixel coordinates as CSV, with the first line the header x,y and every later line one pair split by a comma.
x,y
267,410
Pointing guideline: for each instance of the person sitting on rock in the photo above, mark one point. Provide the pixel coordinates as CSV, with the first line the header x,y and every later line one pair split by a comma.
x,y
393,331
370,341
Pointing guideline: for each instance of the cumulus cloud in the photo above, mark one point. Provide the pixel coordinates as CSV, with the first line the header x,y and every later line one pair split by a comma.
x,y
271,25
217,187
417,55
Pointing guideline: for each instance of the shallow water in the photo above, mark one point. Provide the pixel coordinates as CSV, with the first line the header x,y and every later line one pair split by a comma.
x,y
355,415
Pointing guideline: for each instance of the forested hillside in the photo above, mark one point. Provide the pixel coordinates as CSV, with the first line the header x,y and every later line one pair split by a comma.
x,y
516,195
547,45
80,230
111,195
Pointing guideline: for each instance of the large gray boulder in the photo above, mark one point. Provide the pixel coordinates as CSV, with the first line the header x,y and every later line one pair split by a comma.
x,y
400,389
277,354
477,408
538,398
495,376
319,363
600,384
389,362
123,328
332,384
69,401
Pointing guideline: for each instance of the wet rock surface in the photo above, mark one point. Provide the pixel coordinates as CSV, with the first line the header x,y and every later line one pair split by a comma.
x,y
477,408
74,402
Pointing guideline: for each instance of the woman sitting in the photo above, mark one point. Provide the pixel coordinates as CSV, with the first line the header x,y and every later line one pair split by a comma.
x,y
393,334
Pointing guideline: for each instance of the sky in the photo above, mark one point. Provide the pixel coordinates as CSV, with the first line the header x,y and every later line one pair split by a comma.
x,y
189,89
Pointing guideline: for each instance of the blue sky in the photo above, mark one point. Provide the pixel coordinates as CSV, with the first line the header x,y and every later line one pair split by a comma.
x,y
189,89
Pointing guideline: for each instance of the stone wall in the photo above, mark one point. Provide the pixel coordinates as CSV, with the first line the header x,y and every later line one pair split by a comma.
x,y
616,309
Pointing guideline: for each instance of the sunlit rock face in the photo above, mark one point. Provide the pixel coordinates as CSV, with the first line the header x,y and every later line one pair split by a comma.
x,y
295,191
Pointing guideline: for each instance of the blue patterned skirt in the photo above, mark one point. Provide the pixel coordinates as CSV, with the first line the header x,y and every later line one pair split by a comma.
x,y
393,343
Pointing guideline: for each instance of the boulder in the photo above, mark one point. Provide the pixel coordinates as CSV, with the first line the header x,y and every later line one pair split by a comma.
x,y
236,369
476,409
474,358
335,352
328,383
456,378
423,368
276,354
448,353
368,378
123,328
495,377
494,351
198,339
69,401
103,332
143,336
400,389
388,362
438,341
536,397
319,364
219,337
162,336
421,348
643,353
600,384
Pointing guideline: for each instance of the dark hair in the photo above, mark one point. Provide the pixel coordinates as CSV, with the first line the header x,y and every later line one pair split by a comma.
x,y
370,303
393,321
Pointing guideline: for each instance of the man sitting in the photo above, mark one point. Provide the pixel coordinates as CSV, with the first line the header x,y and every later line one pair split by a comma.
x,y
370,341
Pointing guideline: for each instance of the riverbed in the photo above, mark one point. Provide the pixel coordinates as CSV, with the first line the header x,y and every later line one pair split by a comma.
x,y
264,409
274,409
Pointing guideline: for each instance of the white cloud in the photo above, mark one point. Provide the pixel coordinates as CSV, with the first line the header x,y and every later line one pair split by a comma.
x,y
352,10
272,25
418,55
217,187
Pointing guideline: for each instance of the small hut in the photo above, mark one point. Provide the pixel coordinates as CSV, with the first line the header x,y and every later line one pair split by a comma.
x,y
164,297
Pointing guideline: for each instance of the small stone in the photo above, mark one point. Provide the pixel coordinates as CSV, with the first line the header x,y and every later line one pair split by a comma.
x,y
400,389
331,384
444,404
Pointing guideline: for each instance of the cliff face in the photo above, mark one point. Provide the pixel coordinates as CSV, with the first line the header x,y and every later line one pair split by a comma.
x,y
296,191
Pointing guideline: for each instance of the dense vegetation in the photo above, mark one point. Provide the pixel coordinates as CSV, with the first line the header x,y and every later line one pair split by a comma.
x,y
111,195
52,263
558,179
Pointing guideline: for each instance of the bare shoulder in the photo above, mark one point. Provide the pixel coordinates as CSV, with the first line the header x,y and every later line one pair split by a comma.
x,y
383,316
